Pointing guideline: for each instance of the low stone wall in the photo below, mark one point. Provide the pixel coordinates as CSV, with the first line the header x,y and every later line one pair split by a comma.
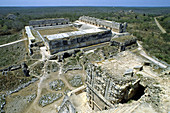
x,y
16,67
48,22
115,26
11,68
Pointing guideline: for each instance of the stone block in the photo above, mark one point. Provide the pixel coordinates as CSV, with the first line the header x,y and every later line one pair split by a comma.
x,y
139,67
129,72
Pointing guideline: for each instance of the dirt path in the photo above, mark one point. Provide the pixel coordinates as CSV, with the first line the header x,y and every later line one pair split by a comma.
x,y
160,27
34,105
13,42
43,83
40,85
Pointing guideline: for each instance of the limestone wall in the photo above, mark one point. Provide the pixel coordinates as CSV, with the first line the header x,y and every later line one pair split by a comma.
x,y
111,89
48,22
124,42
55,46
115,26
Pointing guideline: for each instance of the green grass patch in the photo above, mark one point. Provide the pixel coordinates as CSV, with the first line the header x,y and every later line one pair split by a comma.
x,y
13,54
9,38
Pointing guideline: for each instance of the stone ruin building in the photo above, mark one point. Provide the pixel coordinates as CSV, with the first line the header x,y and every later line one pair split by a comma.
x,y
48,22
55,43
114,26
105,89
66,41
123,42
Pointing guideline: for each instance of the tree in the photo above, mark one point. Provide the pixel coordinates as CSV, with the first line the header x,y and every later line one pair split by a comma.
x,y
4,29
1,22
8,23
17,25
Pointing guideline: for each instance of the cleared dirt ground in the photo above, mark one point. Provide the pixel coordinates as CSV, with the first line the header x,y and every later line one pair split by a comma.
x,y
56,30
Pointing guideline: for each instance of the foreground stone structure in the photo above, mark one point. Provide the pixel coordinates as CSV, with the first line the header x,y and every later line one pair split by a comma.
x,y
104,89
115,26
48,22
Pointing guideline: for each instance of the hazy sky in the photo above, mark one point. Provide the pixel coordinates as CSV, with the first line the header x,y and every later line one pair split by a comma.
x,y
84,2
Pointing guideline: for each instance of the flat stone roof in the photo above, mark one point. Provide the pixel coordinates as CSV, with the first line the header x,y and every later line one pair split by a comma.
x,y
48,19
74,33
120,63
29,33
122,39
100,21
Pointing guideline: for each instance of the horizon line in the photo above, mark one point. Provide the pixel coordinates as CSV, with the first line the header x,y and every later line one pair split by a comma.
x,y
80,6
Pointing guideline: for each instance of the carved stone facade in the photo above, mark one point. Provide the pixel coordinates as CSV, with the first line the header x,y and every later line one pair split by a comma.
x,y
115,26
48,22
77,39
104,90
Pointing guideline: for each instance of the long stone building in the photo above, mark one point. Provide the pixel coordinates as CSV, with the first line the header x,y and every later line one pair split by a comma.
x,y
48,22
115,26
70,40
